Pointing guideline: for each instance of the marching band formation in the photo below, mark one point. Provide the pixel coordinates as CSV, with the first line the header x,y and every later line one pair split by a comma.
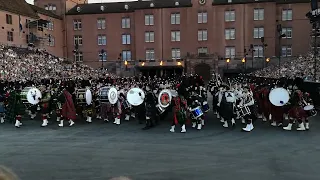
x,y
151,99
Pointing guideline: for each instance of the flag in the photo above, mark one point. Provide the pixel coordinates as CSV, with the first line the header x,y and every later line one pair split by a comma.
x,y
20,25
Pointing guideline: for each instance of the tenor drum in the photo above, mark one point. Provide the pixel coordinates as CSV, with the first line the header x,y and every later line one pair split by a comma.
x,y
103,94
205,107
196,112
81,96
310,110
24,94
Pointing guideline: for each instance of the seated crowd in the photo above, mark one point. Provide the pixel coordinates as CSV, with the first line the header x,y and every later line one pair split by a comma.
x,y
22,64
302,66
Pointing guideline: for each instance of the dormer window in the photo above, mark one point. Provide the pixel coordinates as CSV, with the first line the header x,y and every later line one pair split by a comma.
x,y
102,8
126,7
176,3
229,1
78,9
152,5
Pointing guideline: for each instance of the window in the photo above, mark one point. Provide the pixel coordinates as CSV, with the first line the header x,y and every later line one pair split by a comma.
x,y
125,23
258,32
78,56
202,35
202,17
9,19
175,35
50,25
287,15
287,32
46,7
230,34
77,24
149,36
101,23
230,52
148,20
175,18
102,57
50,7
258,51
51,41
126,39
77,40
286,51
54,8
102,40
10,36
126,55
258,14
229,16
202,50
150,54
175,53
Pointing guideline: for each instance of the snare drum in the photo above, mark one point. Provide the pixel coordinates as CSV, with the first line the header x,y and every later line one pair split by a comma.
x,y
81,96
23,95
243,111
160,109
205,107
308,107
196,112
103,94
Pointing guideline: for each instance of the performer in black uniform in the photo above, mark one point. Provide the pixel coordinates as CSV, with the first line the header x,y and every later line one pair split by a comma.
x,y
150,105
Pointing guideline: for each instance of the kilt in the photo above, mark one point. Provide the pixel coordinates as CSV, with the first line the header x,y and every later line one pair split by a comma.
x,y
297,112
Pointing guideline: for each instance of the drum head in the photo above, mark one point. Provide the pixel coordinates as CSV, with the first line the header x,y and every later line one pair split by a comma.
x,y
164,98
33,96
135,96
308,108
88,97
113,95
279,97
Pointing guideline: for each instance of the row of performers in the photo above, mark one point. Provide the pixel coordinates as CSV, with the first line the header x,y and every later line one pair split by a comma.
x,y
65,103
250,102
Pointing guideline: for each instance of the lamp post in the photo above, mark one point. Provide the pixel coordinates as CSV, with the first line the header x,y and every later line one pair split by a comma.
x,y
244,63
228,61
264,46
244,59
102,55
267,61
280,36
75,53
252,54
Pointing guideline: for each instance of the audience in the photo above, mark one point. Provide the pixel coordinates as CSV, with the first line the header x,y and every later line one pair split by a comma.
x,y
33,64
302,66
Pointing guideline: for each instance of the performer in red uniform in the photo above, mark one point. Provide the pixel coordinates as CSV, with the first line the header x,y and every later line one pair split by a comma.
x,y
297,112
68,111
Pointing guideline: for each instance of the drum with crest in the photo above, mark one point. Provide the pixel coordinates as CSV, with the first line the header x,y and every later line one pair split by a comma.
x,y
196,112
108,94
205,107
